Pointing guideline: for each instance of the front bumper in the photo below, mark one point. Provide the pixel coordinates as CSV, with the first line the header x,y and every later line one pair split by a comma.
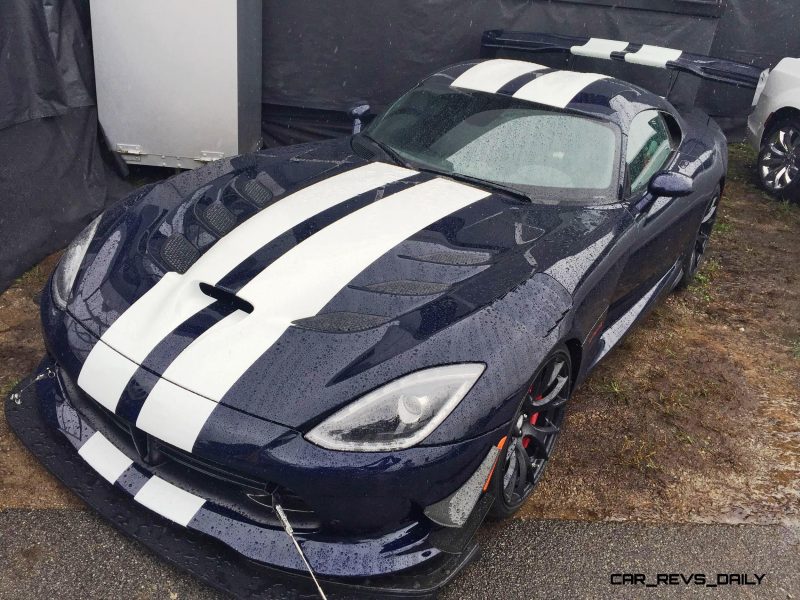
x,y
235,551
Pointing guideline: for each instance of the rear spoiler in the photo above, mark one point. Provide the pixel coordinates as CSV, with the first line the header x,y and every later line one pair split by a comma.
x,y
705,67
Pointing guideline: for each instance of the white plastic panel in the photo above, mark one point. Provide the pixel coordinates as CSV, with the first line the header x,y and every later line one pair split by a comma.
x,y
168,77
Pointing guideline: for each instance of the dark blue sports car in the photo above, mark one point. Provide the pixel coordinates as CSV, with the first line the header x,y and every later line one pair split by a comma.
x,y
334,360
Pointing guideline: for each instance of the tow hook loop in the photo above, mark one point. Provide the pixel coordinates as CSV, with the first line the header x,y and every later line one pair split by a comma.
x,y
48,373
290,532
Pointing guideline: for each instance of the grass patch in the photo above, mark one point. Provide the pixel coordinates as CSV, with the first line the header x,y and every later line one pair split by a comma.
x,y
796,349
723,226
742,160
30,277
640,454
701,286
6,387
786,211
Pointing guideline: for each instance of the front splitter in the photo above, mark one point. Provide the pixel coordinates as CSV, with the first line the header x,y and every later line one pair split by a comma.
x,y
206,558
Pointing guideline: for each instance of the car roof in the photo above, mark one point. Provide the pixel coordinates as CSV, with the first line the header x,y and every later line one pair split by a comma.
x,y
590,94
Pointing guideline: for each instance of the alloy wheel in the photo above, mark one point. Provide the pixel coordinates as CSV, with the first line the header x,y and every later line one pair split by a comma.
x,y
779,165
535,430
704,234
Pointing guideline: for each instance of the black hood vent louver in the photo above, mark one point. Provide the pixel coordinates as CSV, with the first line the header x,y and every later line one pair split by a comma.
x,y
341,322
457,258
178,253
218,219
406,287
252,191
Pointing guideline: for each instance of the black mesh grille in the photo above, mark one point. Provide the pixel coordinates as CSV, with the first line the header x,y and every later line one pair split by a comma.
x,y
178,253
219,219
341,322
197,474
455,257
252,191
408,288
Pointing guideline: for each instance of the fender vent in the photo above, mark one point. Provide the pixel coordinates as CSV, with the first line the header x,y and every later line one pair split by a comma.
x,y
341,322
252,191
178,253
218,218
407,288
459,258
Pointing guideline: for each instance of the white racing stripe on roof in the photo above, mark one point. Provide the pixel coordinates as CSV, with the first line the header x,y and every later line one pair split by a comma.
x,y
558,88
599,48
490,76
653,56
105,374
176,297
298,285
104,457
169,501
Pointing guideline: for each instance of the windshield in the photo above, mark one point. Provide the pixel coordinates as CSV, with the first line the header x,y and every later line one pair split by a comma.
x,y
545,154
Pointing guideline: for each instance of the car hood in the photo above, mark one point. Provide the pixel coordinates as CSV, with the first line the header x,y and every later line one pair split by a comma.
x,y
288,275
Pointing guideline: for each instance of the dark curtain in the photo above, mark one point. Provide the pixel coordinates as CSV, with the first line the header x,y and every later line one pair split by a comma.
x,y
322,57
52,180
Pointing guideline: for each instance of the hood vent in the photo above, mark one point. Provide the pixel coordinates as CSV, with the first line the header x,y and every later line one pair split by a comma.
x,y
252,191
407,287
229,299
460,258
178,253
341,322
218,219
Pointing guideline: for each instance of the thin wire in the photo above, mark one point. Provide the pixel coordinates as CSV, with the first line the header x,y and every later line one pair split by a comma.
x,y
290,532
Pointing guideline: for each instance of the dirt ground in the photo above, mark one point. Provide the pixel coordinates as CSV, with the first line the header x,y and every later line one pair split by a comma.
x,y
694,418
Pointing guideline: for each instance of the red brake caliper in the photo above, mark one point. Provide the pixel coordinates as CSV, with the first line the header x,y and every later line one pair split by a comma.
x,y
533,419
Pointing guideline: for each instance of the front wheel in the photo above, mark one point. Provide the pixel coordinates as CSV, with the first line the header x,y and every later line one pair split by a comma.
x,y
779,160
534,430
697,252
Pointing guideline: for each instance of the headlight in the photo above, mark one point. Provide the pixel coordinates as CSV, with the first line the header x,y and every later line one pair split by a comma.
x,y
67,269
400,414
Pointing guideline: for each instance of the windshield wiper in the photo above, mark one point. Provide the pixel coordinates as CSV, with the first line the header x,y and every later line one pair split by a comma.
x,y
512,191
386,149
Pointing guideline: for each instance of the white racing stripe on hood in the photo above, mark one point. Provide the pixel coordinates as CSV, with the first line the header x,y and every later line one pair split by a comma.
x,y
176,297
558,88
490,76
297,285
105,374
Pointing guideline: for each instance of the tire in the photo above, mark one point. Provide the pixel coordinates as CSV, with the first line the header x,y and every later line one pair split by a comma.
x,y
695,253
534,430
779,159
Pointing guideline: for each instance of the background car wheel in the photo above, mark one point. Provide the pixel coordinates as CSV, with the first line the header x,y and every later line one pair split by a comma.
x,y
534,431
696,253
779,160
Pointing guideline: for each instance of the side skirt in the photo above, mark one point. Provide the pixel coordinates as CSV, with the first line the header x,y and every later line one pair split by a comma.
x,y
620,328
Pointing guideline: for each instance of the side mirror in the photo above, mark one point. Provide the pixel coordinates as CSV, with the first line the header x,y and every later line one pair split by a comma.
x,y
671,184
356,113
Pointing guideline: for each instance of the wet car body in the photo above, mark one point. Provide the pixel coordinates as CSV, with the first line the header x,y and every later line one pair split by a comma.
x,y
499,280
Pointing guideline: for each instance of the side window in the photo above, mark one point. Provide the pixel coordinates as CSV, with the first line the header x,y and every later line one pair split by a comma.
x,y
649,147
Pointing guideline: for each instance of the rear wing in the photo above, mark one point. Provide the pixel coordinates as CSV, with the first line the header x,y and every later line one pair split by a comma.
x,y
705,67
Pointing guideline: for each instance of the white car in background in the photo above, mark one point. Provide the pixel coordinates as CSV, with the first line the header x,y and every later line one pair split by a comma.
x,y
774,129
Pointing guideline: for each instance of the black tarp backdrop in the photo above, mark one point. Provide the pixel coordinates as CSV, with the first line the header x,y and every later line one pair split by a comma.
x,y
325,56
320,57
52,179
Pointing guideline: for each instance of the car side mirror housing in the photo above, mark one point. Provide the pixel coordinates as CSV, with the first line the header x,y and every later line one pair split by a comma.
x,y
356,113
671,184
